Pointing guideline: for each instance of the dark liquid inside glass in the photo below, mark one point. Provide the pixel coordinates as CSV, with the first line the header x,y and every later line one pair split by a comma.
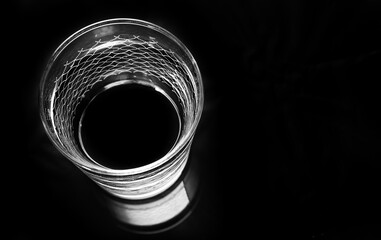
x,y
128,126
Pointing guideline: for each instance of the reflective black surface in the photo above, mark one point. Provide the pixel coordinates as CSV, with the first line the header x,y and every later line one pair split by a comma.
x,y
289,142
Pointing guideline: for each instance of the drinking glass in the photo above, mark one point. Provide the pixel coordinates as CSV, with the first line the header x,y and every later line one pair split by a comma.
x,y
108,55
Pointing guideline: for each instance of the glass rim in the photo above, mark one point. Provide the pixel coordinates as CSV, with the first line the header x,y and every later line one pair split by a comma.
x,y
92,167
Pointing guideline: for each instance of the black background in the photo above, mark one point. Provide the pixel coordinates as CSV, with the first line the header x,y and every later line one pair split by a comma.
x,y
289,142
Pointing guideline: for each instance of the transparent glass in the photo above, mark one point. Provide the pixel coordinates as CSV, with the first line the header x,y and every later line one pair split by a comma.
x,y
111,53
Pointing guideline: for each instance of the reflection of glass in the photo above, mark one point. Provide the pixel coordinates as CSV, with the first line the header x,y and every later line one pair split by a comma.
x,y
159,213
119,57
